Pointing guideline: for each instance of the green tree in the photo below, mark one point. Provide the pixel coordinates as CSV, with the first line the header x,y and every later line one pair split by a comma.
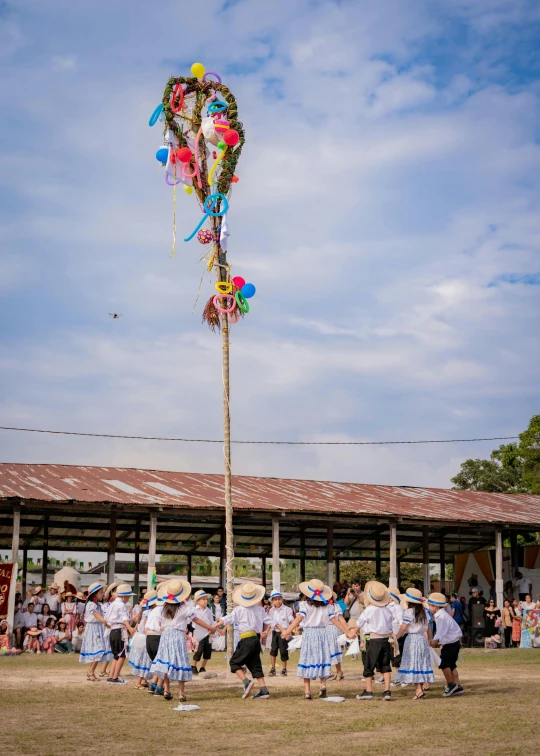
x,y
512,468
364,571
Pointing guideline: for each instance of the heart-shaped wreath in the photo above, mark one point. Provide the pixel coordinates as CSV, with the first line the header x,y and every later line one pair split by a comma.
x,y
201,151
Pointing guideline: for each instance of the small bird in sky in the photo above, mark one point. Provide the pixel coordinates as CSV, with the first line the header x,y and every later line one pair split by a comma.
x,y
115,315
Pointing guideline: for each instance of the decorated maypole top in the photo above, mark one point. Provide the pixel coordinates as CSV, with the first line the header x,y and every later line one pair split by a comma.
x,y
203,141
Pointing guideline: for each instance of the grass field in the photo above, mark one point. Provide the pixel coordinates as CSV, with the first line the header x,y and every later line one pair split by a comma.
x,y
48,708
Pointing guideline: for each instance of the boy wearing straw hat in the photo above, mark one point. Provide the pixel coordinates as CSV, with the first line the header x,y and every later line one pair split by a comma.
x,y
251,619
281,617
376,622
448,636
201,633
118,618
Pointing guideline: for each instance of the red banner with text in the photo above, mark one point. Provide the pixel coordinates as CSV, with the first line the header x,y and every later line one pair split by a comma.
x,y
6,573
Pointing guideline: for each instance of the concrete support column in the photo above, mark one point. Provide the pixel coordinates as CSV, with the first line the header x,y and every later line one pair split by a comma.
x,y
499,584
111,556
152,540
276,572
425,560
330,555
442,562
45,557
393,579
15,559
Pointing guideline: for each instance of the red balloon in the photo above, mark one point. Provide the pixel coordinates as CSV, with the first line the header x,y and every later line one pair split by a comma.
x,y
238,281
231,137
184,154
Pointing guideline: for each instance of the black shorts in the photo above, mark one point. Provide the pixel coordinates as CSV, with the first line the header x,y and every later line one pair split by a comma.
x,y
378,656
396,658
118,647
248,654
152,645
204,649
279,644
449,655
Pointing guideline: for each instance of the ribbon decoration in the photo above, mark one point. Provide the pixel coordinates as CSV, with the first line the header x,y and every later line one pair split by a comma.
x,y
177,91
213,168
208,209
317,593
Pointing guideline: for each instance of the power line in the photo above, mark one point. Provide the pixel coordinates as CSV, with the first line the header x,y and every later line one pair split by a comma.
x,y
268,443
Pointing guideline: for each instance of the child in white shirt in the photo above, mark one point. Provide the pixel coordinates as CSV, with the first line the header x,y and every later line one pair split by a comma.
x,y
281,616
201,634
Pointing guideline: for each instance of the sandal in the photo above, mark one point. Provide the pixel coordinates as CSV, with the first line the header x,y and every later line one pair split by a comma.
x,y
103,674
181,699
340,677
92,678
426,686
307,697
167,696
418,697
322,693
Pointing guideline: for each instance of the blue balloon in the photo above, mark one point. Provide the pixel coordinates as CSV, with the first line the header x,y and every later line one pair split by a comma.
x,y
248,290
162,154
156,114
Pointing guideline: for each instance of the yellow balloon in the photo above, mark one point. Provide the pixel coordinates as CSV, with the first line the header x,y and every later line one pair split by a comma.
x,y
188,189
198,70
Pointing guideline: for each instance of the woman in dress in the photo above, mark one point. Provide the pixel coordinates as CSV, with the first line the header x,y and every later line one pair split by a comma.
x,y
48,636
416,664
69,610
93,648
507,624
515,612
492,614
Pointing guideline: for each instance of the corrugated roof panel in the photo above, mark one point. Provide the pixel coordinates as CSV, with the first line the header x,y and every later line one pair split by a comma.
x,y
56,483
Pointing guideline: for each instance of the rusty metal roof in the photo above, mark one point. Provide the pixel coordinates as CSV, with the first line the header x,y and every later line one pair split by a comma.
x,y
125,486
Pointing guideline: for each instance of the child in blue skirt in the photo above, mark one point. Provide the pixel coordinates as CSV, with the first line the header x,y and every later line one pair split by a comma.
x,y
139,661
93,648
416,665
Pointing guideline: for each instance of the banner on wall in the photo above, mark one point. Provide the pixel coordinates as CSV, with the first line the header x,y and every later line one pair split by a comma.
x,y
6,574
530,629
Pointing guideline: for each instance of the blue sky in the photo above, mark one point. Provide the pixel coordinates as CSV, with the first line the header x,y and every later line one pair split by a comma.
x,y
387,212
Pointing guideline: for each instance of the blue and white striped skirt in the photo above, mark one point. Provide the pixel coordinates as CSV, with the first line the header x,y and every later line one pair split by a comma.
x,y
109,656
317,653
93,647
416,665
139,661
172,657
334,633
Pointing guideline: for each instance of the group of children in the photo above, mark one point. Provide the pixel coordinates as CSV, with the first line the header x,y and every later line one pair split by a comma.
x,y
394,630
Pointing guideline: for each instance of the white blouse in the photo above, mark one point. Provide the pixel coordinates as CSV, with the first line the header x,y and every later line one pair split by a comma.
x,y
153,621
91,607
316,616
184,615
413,626
247,619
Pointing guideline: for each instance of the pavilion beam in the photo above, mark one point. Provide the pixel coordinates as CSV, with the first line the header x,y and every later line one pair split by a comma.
x,y
45,553
378,556
152,550
15,538
137,565
276,572
499,584
442,562
425,560
302,554
393,578
330,555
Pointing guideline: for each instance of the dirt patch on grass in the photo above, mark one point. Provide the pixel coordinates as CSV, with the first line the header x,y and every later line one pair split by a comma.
x,y
49,695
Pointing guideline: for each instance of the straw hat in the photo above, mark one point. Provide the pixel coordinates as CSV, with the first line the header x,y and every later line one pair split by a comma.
x,y
316,590
68,594
376,593
94,588
412,596
437,599
200,594
276,594
124,590
150,597
81,596
109,589
37,589
34,632
394,594
248,594
55,586
174,591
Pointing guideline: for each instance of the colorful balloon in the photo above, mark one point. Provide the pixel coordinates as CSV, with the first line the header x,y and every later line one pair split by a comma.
x,y
162,154
231,137
184,154
156,114
238,281
248,290
198,70
205,236
221,126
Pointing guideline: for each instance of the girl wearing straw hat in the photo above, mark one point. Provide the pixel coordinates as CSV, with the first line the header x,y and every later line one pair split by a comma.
x,y
317,650
251,619
416,664
139,661
93,644
109,595
172,660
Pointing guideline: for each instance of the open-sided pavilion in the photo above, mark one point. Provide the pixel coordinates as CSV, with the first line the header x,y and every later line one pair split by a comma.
x,y
108,509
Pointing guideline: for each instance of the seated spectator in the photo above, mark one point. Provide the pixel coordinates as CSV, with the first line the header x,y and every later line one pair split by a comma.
x,y
18,628
32,643
77,637
63,638
5,640
44,616
30,617
493,641
48,636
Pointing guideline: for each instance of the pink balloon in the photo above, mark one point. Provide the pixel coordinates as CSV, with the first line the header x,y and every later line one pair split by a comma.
x,y
234,316
238,281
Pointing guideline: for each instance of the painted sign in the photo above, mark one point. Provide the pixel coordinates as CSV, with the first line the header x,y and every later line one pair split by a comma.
x,y
530,629
6,572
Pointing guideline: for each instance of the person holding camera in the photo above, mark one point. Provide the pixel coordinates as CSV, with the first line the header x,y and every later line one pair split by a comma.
x,y
353,600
